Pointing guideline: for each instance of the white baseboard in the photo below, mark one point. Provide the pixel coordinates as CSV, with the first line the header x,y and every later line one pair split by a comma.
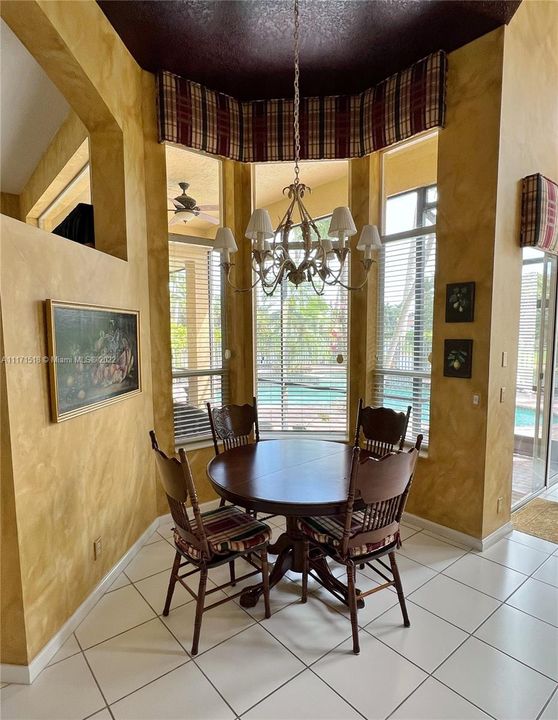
x,y
455,535
496,535
25,674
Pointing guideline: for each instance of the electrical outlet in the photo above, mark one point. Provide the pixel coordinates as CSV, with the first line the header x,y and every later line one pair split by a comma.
x,y
97,548
476,399
500,505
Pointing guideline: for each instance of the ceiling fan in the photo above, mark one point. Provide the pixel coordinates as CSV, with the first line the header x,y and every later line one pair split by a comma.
x,y
186,208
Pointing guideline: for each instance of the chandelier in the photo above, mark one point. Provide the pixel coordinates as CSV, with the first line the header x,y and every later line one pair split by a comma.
x,y
318,260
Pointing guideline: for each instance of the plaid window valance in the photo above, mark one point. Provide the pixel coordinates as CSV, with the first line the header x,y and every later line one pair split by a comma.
x,y
539,216
337,126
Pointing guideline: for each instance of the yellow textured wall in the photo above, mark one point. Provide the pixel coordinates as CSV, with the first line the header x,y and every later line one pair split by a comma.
x,y
502,124
94,474
12,621
449,486
528,144
63,147
416,165
9,205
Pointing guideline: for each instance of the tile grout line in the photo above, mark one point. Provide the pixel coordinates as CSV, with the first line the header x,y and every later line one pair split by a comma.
x,y
107,708
547,703
310,666
94,679
431,674
304,669
469,634
149,682
192,658
189,657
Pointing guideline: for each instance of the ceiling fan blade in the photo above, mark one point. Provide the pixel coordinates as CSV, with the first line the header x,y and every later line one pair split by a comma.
x,y
173,201
208,218
209,207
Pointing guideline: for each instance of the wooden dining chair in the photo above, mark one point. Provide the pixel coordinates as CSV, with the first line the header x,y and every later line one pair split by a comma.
x,y
207,540
379,488
234,426
383,429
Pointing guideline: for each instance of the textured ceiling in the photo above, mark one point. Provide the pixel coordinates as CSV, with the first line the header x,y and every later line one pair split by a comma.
x,y
244,47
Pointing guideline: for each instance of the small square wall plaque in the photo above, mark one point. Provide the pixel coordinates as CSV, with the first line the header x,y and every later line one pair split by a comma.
x,y
460,302
458,358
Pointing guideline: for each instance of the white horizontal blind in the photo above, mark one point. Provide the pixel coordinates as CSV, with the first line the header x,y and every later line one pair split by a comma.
x,y
301,357
405,308
195,283
529,325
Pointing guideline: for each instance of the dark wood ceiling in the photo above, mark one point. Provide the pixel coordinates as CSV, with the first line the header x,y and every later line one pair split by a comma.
x,y
244,47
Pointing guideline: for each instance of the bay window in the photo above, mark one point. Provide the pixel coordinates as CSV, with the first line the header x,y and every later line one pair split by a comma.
x,y
301,356
198,373
405,307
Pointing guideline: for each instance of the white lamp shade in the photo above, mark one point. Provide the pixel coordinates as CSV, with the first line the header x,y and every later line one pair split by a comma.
x,y
369,238
260,222
224,240
342,223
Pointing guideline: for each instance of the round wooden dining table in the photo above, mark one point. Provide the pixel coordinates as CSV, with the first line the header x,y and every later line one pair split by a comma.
x,y
290,477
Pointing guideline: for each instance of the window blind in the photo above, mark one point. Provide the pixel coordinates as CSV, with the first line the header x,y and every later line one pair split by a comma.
x,y
405,308
301,357
529,326
198,375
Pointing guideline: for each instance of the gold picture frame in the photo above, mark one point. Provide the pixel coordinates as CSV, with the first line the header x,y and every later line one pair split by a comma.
x,y
94,356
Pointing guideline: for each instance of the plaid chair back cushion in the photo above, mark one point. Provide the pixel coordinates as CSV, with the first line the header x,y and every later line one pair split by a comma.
x,y
337,126
539,216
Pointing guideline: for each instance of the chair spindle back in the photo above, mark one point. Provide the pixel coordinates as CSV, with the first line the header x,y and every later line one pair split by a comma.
x,y
176,478
382,485
233,425
383,429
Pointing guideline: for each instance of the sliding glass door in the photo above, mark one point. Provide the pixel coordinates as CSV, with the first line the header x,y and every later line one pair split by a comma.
x,y
552,478
535,462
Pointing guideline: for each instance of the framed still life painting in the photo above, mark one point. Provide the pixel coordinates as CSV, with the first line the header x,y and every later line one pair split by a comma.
x,y
94,356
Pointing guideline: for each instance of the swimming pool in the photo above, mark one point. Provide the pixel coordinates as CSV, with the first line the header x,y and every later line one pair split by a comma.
x,y
525,417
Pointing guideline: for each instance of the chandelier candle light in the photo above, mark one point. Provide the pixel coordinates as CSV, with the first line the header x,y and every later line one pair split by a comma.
x,y
322,263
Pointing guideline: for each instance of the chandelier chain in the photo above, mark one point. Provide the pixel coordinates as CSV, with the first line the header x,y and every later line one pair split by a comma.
x,y
296,108
321,264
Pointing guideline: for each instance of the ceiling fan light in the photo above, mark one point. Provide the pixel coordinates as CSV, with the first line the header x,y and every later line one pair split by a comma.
x,y
181,216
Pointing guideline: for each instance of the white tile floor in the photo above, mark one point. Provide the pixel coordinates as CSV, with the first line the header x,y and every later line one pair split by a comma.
x,y
483,643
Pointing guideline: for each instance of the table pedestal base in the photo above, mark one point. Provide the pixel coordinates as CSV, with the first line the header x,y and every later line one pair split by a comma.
x,y
289,549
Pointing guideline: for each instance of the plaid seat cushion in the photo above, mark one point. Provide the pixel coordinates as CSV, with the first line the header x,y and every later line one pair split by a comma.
x,y
328,530
228,530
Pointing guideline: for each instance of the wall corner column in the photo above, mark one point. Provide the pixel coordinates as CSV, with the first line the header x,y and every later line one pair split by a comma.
x,y
237,204
365,205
